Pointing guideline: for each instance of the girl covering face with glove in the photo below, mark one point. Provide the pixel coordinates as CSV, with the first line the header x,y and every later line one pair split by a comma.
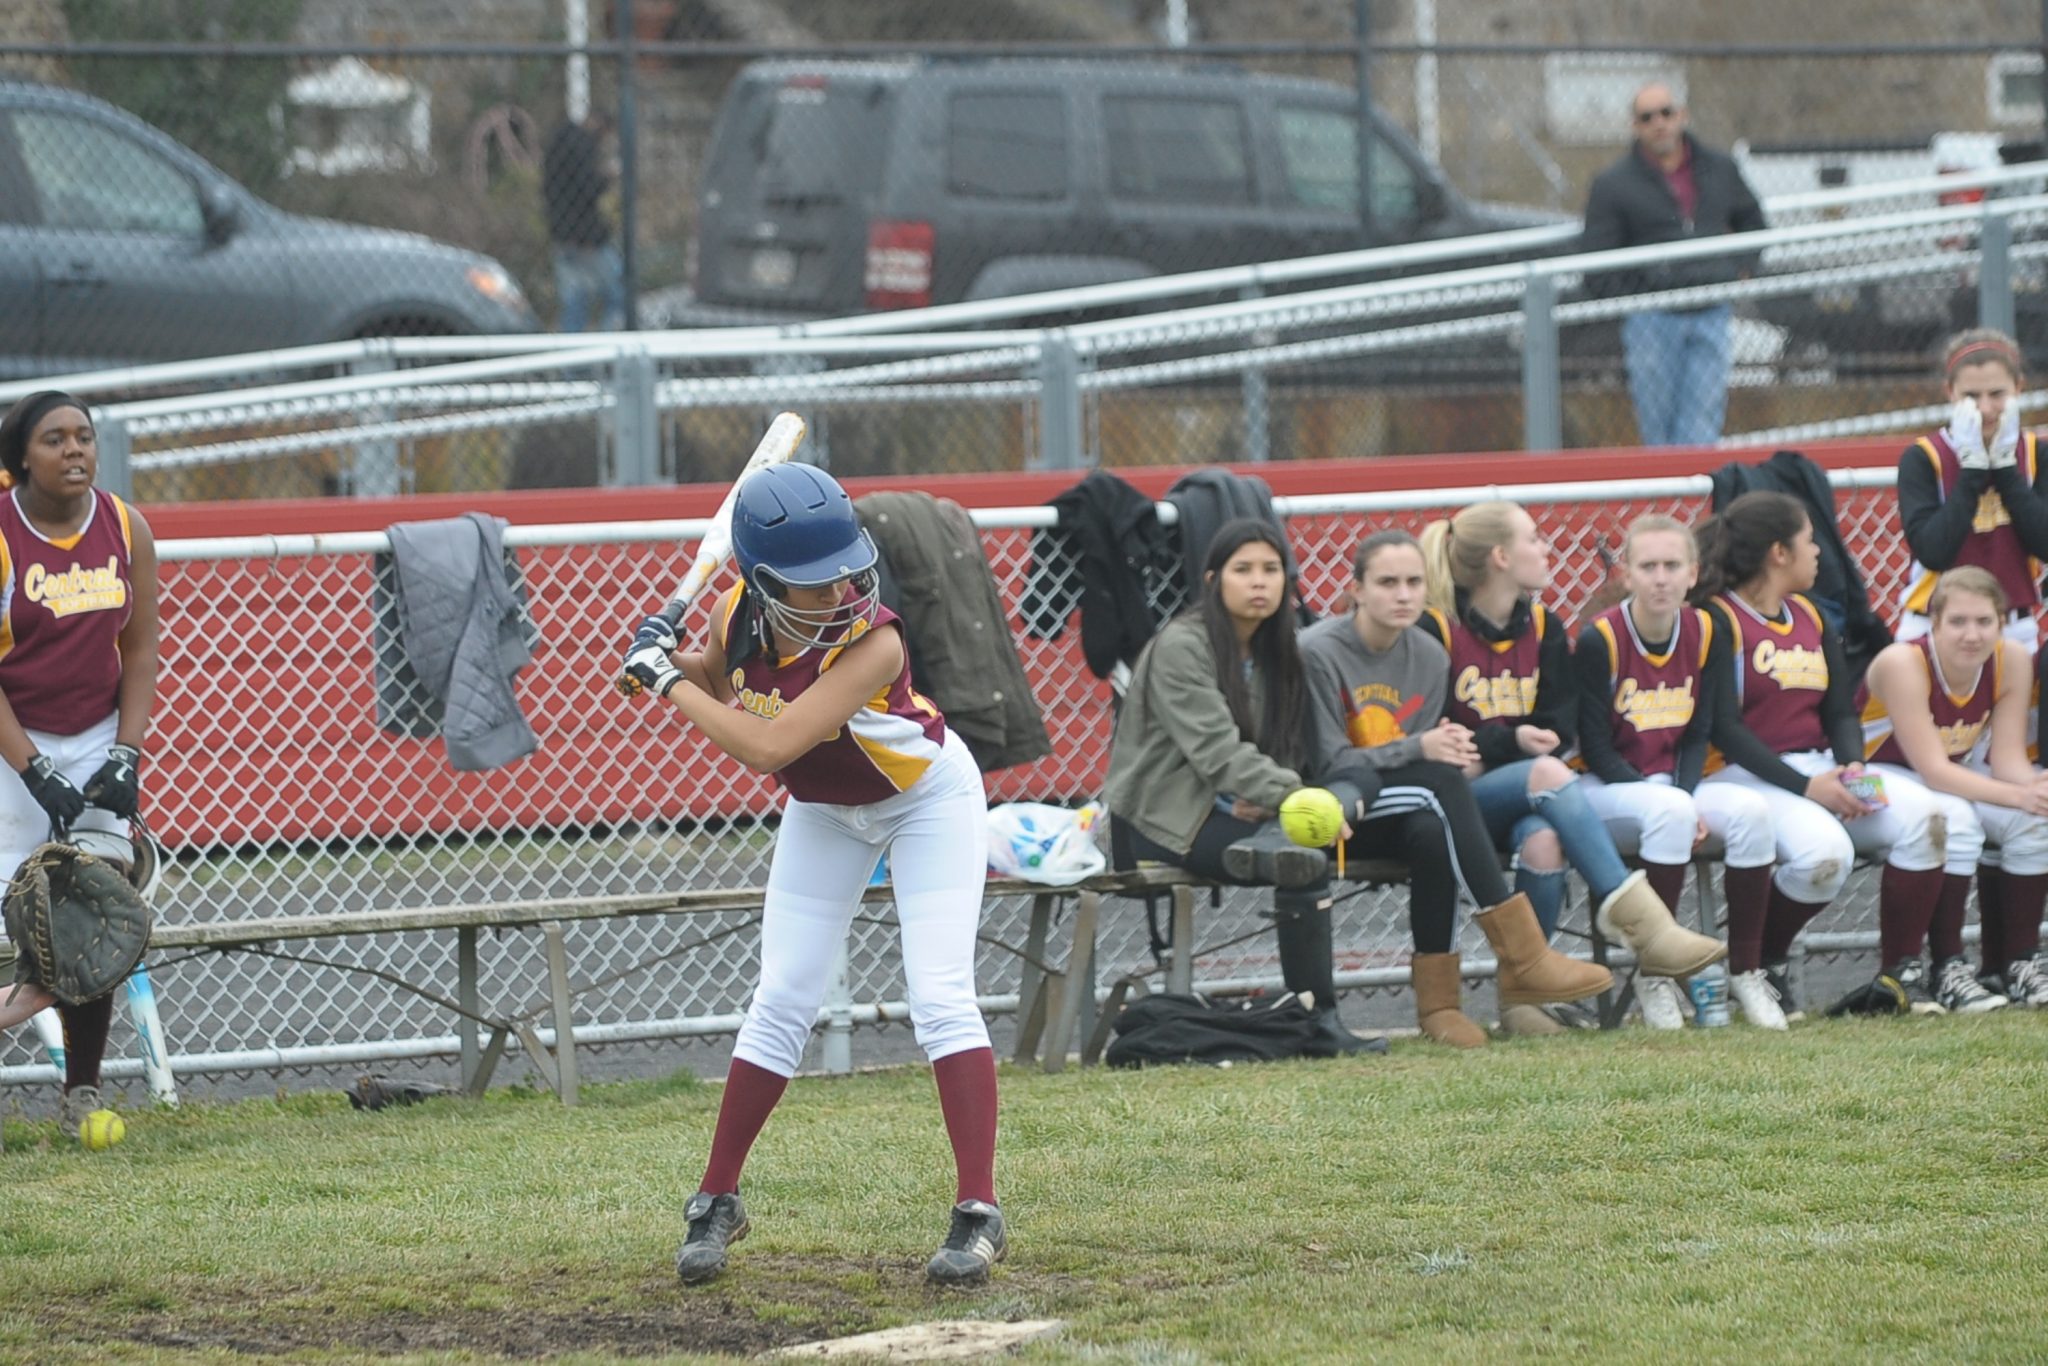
x,y
1973,492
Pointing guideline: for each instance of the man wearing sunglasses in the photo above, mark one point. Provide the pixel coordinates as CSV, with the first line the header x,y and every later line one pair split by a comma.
x,y
1670,187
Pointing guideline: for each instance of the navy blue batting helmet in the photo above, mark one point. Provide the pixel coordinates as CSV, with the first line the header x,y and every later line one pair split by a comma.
x,y
794,527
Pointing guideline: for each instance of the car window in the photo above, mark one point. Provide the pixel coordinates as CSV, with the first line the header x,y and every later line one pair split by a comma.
x,y
1319,155
90,177
1183,150
1007,144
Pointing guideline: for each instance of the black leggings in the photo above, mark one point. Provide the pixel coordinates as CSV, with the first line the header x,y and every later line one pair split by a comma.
x,y
1205,859
1425,816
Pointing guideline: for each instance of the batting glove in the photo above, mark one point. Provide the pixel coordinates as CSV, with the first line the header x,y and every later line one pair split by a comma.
x,y
656,630
649,665
1966,434
54,793
117,786
2005,445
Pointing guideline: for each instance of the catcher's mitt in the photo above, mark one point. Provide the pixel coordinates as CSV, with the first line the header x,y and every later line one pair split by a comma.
x,y
77,924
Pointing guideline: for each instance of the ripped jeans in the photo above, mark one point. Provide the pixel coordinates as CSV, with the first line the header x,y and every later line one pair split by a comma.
x,y
1513,815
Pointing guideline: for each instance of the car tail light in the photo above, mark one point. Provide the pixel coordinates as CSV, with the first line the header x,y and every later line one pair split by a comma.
x,y
1948,198
899,265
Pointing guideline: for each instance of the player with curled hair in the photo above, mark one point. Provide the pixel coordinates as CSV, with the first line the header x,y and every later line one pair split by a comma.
x,y
78,669
804,676
1975,492
1644,721
1785,727
1950,709
1376,694
1511,684
1213,738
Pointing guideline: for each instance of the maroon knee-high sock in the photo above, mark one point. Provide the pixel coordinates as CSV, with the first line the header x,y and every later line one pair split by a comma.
x,y
1666,880
2019,920
1945,931
1906,903
967,1098
85,1040
1991,916
750,1094
1783,920
1748,893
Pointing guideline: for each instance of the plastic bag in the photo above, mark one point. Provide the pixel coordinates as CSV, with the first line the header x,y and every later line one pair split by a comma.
x,y
1041,843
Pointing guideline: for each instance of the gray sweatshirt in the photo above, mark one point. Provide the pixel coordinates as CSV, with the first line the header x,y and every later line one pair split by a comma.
x,y
1371,708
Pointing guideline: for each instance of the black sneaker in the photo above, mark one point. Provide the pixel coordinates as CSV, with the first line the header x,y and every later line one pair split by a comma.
x,y
1959,992
1779,975
1911,975
977,1242
716,1222
1267,858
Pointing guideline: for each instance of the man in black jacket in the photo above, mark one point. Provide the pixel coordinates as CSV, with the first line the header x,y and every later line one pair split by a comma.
x,y
575,176
1671,188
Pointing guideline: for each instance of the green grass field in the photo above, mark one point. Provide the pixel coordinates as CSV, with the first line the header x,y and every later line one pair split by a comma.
x,y
1850,1191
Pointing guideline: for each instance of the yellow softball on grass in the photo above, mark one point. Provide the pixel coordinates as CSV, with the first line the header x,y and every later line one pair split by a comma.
x,y
1312,816
101,1130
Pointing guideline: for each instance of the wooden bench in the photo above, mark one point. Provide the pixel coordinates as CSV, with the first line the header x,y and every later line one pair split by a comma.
x,y
1050,1010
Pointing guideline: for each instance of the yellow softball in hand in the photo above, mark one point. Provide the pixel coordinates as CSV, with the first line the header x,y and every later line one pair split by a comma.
x,y
101,1130
1312,816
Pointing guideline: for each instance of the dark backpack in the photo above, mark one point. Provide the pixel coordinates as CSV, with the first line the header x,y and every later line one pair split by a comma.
x,y
1171,1028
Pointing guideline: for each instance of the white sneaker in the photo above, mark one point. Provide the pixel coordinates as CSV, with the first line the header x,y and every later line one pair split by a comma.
x,y
1758,998
1661,1002
1957,989
2026,982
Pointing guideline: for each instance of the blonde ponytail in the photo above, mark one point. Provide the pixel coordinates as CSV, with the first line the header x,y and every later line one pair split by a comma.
x,y
1458,553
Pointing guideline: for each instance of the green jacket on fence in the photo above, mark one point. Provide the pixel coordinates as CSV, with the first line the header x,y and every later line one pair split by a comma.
x,y
1177,748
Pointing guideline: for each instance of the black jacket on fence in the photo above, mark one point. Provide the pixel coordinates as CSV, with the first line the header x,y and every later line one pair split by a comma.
x,y
1112,559
955,626
1631,205
1839,590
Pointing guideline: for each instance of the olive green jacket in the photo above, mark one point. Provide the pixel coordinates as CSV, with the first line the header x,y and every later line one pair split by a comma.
x,y
1177,748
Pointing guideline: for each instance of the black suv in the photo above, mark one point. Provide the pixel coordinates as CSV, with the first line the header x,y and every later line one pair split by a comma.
x,y
119,245
835,187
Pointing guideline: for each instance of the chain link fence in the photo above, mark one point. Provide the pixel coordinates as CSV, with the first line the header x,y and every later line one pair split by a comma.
x,y
712,162
281,785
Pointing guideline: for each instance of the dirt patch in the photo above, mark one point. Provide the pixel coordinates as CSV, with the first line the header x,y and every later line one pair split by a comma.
x,y
771,1302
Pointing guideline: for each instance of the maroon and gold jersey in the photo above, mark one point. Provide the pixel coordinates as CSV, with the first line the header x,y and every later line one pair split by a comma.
x,y
63,604
1959,718
1654,695
881,750
1993,543
1781,673
1491,680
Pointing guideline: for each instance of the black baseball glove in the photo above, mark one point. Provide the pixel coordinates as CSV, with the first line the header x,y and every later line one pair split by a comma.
x,y
78,925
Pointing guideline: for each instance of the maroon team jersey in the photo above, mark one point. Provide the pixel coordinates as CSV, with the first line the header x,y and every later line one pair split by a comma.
x,y
1959,718
1781,673
1491,680
63,604
884,748
1654,695
1992,543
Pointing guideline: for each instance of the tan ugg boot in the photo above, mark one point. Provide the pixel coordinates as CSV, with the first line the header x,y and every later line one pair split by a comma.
x,y
1528,1022
1634,914
1532,972
1438,987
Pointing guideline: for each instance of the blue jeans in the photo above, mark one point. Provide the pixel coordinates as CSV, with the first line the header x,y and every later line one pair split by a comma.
x,y
584,275
1512,816
1678,373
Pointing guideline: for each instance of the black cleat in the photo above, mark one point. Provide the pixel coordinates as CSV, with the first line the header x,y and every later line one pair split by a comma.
x,y
977,1242
715,1222
1267,858
1779,975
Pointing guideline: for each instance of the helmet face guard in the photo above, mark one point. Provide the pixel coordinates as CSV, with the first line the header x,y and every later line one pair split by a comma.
x,y
793,527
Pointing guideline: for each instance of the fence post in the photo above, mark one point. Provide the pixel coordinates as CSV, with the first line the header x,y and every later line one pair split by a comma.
x,y
1368,227
116,475
1059,403
373,466
837,1050
1258,408
629,164
636,422
1542,415
1994,272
